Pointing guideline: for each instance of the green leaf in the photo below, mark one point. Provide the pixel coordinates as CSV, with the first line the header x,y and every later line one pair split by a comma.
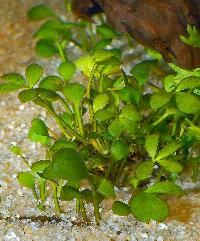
x,y
106,114
26,179
33,74
170,166
169,149
166,187
106,31
39,132
47,34
100,101
14,78
40,12
74,92
119,150
110,67
85,64
8,87
49,173
194,37
160,99
27,95
120,208
103,43
141,71
51,82
188,83
151,145
131,112
130,95
170,83
146,207
68,165
16,150
106,188
67,70
48,95
116,128
144,170
101,55
188,103
129,125
45,48
40,166
68,193
62,144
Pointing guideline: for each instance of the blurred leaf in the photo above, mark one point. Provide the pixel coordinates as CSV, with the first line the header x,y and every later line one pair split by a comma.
x,y
33,73
170,166
67,70
40,166
68,165
160,99
16,150
68,193
187,103
106,31
45,48
100,101
120,208
40,12
14,78
74,92
188,83
141,71
146,207
166,187
151,145
144,170
106,188
26,179
131,112
116,128
51,82
106,114
130,95
27,95
119,150
169,149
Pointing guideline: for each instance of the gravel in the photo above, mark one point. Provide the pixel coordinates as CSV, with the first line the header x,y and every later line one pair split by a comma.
x,y
19,218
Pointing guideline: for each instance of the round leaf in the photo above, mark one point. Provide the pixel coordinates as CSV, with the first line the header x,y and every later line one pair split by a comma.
x,y
119,150
106,188
160,99
120,208
146,207
33,74
68,193
130,112
45,48
26,179
144,170
40,166
116,128
39,12
67,69
188,103
51,82
68,165
27,95
151,145
74,92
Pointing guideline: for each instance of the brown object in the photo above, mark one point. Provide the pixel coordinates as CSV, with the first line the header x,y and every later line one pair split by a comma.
x,y
156,24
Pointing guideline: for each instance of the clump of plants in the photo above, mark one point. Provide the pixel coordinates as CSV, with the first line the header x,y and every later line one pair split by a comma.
x,y
116,130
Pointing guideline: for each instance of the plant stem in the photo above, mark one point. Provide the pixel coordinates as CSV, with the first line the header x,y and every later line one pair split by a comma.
x,y
101,83
95,202
80,123
53,134
90,81
55,197
42,183
83,212
61,51
77,205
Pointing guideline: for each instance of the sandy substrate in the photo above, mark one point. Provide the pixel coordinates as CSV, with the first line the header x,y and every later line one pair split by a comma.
x,y
19,217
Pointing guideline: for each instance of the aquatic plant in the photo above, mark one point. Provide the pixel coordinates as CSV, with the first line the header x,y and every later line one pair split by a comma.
x,y
112,131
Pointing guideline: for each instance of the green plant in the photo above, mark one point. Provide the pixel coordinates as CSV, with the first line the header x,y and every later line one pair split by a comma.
x,y
113,133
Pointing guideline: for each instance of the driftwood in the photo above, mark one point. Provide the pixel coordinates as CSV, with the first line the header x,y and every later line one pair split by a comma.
x,y
156,24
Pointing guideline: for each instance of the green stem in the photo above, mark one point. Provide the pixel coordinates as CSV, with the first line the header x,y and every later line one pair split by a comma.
x,y
90,81
80,123
101,83
83,212
61,51
55,197
42,184
25,161
78,206
109,169
95,202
